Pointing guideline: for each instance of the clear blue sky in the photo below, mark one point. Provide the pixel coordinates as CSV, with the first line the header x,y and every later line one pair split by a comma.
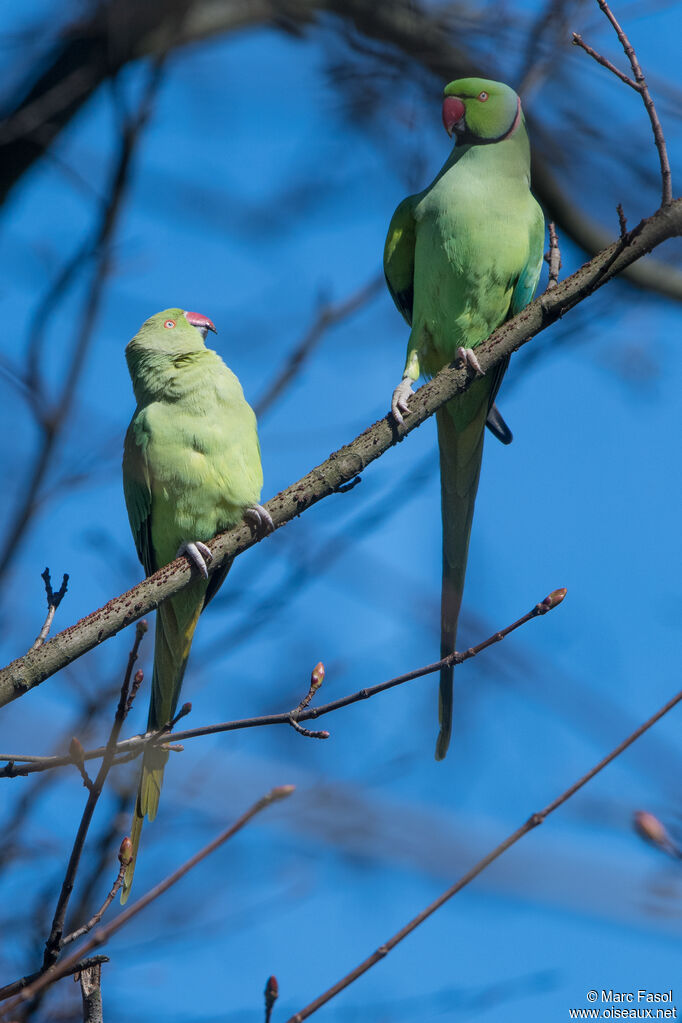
x,y
248,210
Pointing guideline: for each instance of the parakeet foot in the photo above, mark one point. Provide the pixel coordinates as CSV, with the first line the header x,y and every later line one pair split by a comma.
x,y
399,400
198,554
467,356
260,518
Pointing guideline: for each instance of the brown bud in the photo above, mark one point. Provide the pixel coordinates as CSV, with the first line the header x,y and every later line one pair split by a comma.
x,y
125,852
317,676
554,598
139,675
142,625
76,751
650,828
186,709
271,991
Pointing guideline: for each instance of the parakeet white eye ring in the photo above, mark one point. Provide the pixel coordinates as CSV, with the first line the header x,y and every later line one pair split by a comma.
x,y
483,96
169,324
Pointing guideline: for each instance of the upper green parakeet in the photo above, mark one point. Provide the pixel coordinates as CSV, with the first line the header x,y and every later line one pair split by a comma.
x,y
191,468
462,257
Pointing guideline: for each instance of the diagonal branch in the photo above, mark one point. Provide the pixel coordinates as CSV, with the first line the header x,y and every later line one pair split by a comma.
x,y
533,821
346,463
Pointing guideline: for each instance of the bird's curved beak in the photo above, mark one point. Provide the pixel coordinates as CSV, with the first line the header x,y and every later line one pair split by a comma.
x,y
453,115
202,323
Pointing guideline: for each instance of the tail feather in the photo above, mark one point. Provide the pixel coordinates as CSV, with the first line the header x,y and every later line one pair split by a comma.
x,y
461,450
176,621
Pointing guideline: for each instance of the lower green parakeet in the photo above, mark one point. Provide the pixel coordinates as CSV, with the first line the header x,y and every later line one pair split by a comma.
x,y
191,468
462,257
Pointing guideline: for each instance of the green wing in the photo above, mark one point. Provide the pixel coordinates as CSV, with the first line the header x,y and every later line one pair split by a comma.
x,y
530,275
399,257
138,492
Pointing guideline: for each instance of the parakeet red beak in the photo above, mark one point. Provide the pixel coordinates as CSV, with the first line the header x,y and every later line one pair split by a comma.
x,y
202,323
453,115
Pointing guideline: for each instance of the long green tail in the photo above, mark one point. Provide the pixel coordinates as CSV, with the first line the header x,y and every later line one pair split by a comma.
x,y
461,450
176,621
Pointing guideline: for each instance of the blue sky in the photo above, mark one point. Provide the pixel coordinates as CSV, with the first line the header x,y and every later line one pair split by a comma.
x,y
248,210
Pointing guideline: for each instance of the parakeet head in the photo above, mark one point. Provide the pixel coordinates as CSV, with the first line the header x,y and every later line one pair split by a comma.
x,y
478,111
174,330
163,343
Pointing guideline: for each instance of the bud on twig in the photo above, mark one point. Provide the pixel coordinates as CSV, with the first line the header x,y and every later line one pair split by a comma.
x,y
316,680
125,852
552,600
652,830
271,996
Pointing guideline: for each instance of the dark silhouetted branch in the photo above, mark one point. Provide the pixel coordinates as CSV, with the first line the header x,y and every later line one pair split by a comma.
x,y
53,602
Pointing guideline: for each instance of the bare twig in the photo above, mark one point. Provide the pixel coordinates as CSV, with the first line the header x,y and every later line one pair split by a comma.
x,y
134,746
329,315
124,856
316,680
553,257
54,940
103,934
53,602
622,222
533,821
91,992
640,86
23,982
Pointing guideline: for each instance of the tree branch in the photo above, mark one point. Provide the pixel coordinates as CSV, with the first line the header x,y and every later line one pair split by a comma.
x,y
103,934
344,465
640,86
54,941
132,747
533,821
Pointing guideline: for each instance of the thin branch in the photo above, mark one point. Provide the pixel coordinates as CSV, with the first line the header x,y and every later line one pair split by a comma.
x,y
622,221
329,315
136,744
579,41
103,934
553,257
533,821
53,602
54,940
640,86
125,855
23,982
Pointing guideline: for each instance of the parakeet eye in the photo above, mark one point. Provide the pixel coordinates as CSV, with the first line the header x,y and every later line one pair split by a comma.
x,y
169,323
483,96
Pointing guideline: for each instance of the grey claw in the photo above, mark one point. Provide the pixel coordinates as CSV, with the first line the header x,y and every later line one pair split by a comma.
x,y
261,519
197,554
467,356
399,401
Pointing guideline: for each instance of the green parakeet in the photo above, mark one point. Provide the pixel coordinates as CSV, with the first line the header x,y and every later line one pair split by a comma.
x,y
462,257
191,468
